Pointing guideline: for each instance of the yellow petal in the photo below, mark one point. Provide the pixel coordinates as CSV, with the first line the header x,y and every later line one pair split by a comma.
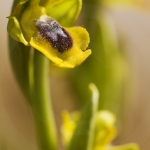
x,y
105,129
80,33
69,58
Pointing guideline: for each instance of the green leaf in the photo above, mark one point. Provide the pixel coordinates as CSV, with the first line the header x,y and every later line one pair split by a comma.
x,y
84,132
15,3
19,57
65,12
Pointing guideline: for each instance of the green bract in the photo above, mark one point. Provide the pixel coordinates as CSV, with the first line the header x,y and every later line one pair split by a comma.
x,y
49,35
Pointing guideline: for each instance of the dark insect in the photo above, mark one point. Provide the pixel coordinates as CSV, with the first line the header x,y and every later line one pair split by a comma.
x,y
54,33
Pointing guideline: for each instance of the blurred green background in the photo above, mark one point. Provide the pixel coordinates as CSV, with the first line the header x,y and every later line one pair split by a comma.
x,y
119,66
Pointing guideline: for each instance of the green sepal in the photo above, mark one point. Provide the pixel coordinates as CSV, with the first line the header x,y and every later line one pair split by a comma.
x,y
13,26
15,31
84,133
18,8
66,12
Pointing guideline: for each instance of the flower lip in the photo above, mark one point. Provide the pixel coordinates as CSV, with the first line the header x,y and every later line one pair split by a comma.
x,y
57,36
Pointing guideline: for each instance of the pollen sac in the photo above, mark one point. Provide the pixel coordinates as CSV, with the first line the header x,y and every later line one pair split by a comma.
x,y
57,36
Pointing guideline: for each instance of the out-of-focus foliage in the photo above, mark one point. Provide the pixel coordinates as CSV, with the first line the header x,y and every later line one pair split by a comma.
x,y
91,129
138,4
83,135
106,67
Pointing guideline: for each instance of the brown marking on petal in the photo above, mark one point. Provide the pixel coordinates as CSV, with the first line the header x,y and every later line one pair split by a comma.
x,y
58,37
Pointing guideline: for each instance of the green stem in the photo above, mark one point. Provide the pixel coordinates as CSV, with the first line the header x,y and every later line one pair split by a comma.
x,y
41,104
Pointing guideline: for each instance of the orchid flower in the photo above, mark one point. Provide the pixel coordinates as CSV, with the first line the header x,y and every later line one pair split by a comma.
x,y
36,23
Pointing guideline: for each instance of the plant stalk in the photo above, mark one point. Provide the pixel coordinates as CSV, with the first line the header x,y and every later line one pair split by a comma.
x,y
41,103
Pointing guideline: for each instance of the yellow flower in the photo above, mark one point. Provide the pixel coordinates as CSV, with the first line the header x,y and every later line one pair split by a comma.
x,y
69,123
105,130
30,24
63,46
102,136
